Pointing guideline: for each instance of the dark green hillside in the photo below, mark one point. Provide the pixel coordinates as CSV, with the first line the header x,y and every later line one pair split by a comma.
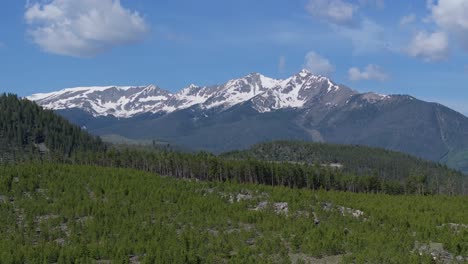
x,y
358,160
27,130
80,214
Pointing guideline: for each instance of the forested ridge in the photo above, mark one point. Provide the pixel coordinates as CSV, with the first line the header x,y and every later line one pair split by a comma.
x,y
209,167
28,131
356,160
361,160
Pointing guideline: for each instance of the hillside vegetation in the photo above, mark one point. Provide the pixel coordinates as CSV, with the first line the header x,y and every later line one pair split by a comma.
x,y
208,167
28,131
354,159
80,214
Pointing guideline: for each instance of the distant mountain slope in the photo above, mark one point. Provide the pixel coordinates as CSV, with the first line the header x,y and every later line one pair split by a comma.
x,y
27,130
255,108
402,123
236,128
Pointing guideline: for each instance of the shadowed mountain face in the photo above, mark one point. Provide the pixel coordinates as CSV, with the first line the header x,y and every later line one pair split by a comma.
x,y
427,130
256,108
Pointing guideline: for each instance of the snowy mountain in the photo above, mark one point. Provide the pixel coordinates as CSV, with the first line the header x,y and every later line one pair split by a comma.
x,y
266,95
256,108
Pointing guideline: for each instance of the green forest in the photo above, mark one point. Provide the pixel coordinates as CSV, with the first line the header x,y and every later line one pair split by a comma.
x,y
67,197
80,214
27,131
357,160
360,160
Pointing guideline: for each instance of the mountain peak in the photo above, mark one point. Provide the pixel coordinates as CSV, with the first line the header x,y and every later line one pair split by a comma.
x,y
253,74
267,94
305,71
151,87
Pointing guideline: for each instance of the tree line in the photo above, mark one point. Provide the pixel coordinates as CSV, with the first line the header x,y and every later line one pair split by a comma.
x,y
208,167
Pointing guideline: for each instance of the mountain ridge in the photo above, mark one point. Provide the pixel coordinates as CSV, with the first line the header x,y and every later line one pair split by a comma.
x,y
255,108
268,94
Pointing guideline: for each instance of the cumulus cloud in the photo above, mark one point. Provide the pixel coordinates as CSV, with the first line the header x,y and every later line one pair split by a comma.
x,y
83,28
451,16
346,19
406,20
371,72
318,64
282,64
429,46
367,37
332,11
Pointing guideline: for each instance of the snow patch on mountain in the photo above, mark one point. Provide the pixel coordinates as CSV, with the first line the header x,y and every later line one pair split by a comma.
x,y
266,94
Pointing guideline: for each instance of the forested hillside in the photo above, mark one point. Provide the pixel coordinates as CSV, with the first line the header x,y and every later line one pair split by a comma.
x,y
209,167
27,131
359,160
79,214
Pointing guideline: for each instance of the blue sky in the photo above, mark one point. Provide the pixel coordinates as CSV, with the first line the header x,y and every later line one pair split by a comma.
x,y
404,47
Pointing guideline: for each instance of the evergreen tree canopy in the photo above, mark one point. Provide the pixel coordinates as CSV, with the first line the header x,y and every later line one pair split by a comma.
x,y
356,159
27,130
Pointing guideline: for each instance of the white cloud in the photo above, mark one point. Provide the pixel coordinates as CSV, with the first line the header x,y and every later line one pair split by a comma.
x,y
318,64
346,19
368,37
429,46
332,11
371,72
406,20
83,28
282,64
452,17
